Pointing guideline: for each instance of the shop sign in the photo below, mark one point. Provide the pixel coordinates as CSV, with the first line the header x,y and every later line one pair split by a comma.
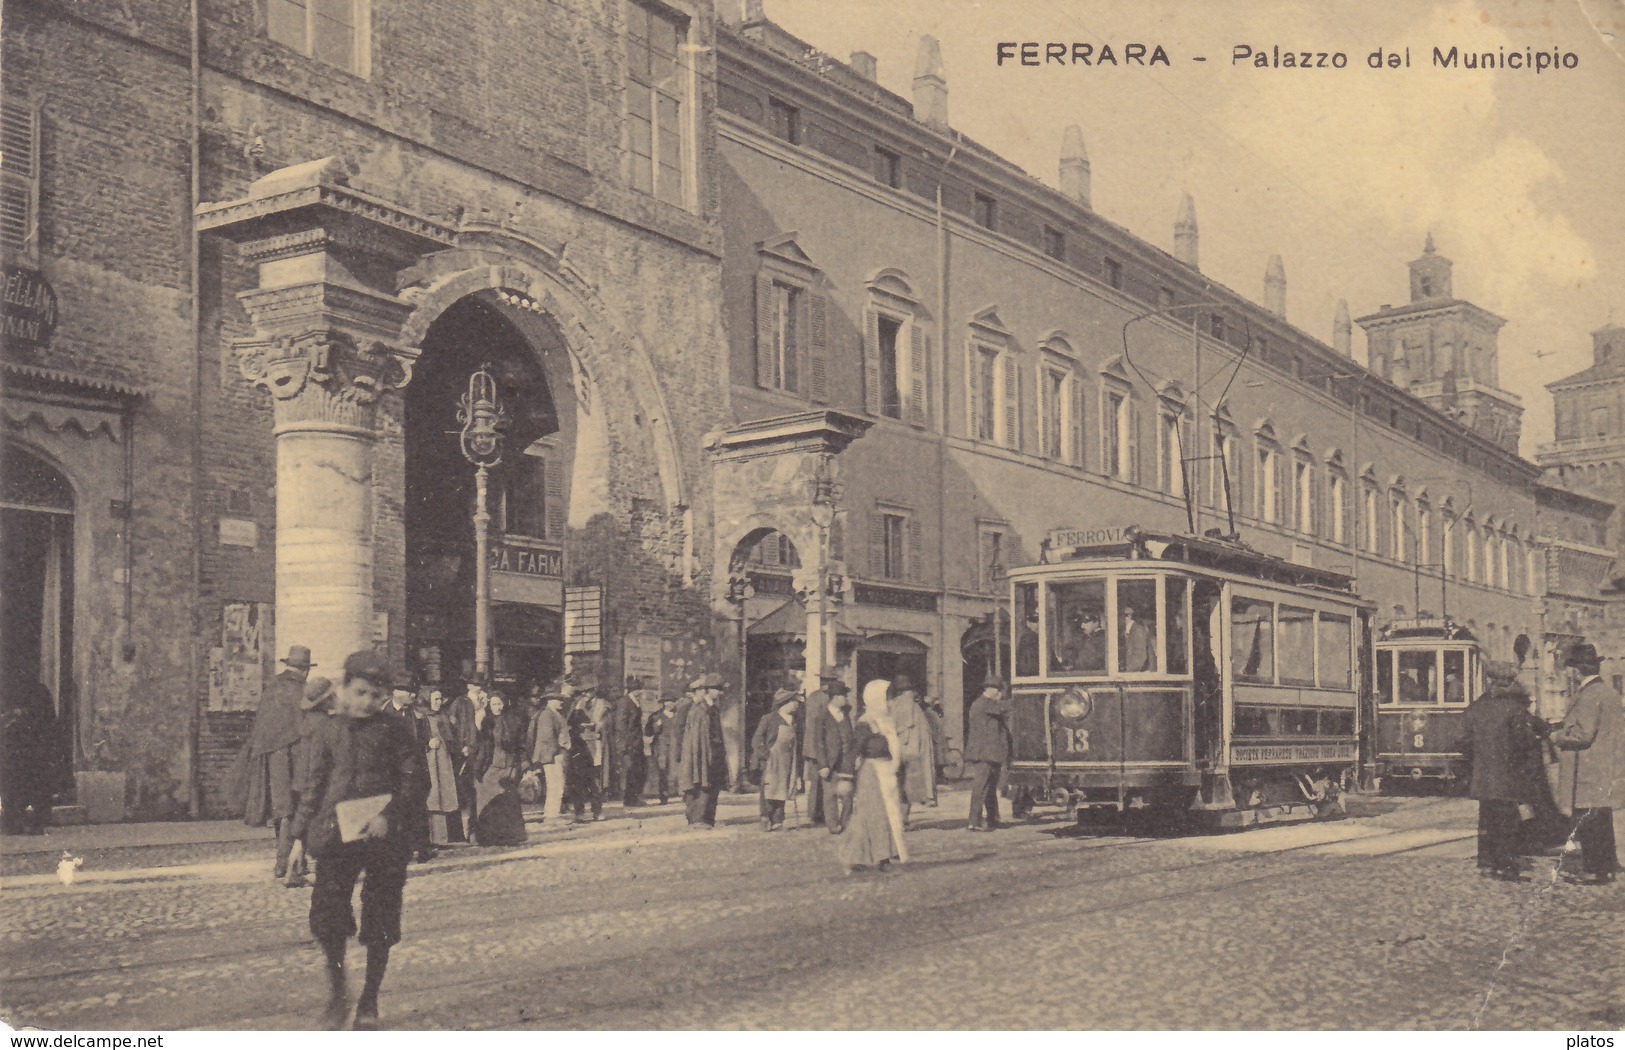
x,y
527,560
27,307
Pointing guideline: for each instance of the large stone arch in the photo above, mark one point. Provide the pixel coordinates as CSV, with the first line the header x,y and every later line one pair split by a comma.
x,y
539,283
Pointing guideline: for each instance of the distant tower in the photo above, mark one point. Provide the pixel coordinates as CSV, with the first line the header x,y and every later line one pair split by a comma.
x,y
1588,453
1343,329
1074,165
1185,233
1443,350
930,86
1275,287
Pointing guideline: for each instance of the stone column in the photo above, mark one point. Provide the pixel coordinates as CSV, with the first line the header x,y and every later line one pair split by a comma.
x,y
324,390
326,346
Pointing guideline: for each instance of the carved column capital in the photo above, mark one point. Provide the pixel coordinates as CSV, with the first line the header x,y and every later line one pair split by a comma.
x,y
324,378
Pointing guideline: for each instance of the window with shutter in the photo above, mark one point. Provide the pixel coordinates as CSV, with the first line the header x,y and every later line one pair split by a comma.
x,y
871,363
1079,395
767,375
1049,425
1111,432
973,391
918,375
889,329
1012,402
818,348
19,176
657,101
1131,442
914,562
331,31
877,545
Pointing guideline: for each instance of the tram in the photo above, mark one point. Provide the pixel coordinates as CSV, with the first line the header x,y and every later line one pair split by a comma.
x,y
1427,673
1185,675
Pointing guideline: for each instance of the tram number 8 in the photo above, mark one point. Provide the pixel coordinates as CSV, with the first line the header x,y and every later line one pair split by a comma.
x,y
1416,742
1073,740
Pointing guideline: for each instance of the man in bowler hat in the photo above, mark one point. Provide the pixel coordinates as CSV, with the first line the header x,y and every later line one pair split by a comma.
x,y
1591,766
987,749
270,755
360,753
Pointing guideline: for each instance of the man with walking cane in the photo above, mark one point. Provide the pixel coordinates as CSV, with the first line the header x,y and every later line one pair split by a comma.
x,y
1591,778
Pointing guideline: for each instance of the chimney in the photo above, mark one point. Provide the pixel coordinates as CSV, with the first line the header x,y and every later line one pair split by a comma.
x,y
1275,287
1074,165
930,89
1343,330
1185,233
754,12
865,66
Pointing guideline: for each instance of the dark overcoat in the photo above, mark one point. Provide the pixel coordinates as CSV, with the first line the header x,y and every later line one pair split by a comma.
x,y
988,737
1499,746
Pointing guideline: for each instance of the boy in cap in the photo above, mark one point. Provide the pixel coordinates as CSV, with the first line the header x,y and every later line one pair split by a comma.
x,y
359,753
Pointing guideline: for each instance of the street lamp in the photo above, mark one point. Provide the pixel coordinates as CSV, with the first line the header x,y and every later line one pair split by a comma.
x,y
823,497
741,590
482,417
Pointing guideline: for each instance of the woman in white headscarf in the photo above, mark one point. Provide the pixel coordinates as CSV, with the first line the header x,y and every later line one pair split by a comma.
x,y
874,832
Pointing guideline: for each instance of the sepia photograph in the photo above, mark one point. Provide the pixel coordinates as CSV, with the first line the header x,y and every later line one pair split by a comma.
x,y
863,516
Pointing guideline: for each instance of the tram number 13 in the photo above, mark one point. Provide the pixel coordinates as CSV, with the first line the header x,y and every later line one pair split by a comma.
x,y
1072,740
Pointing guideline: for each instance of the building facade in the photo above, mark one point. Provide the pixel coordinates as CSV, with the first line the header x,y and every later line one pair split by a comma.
x,y
1025,365
253,259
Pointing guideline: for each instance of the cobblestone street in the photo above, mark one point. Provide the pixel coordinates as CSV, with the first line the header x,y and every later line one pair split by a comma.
x,y
1375,921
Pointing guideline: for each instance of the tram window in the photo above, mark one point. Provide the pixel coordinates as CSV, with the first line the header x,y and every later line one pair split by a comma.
x,y
1255,721
1416,684
1136,626
1176,658
1027,632
1385,677
1252,647
1297,646
1455,677
1077,627
1337,723
1336,633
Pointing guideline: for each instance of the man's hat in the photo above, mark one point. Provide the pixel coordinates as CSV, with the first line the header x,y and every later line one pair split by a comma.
x,y
668,699
829,674
583,681
836,687
902,684
1500,671
784,696
317,690
708,681
1582,655
993,681
298,656
369,665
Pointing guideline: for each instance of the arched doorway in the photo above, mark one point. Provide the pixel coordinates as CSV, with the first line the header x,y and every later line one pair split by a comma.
x,y
37,614
528,497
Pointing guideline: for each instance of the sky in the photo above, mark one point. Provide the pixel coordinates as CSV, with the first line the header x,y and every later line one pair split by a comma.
x,y
1520,176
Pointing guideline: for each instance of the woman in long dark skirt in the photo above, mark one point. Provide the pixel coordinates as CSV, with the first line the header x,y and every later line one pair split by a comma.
x,y
498,762
873,836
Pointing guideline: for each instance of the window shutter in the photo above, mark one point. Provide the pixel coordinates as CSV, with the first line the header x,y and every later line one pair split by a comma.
x,y
918,374
765,372
916,551
1283,497
817,347
19,176
1012,402
1106,424
1131,445
1317,505
554,510
1046,415
1079,401
871,363
877,545
973,387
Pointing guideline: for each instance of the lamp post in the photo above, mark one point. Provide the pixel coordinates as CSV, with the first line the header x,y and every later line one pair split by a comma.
x,y
741,590
482,417
823,497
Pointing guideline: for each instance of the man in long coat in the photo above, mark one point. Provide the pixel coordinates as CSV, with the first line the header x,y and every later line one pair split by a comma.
x,y
703,770
1591,770
987,749
664,734
1499,747
627,735
550,749
269,757
812,745
838,759
916,767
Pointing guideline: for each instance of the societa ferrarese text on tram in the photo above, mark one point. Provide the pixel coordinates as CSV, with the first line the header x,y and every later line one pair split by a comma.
x,y
1185,674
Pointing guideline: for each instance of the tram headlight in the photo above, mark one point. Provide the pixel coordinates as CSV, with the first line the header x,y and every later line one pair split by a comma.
x,y
1074,704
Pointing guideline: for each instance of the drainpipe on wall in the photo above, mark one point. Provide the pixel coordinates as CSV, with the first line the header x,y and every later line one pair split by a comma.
x,y
198,679
942,444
